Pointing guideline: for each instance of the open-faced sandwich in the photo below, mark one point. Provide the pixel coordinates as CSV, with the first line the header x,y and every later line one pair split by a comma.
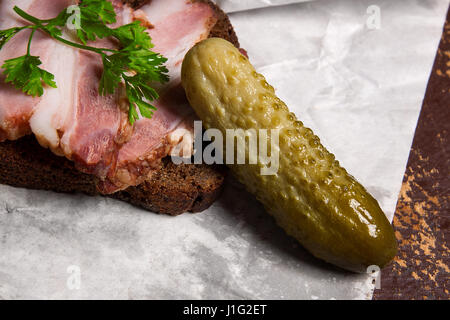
x,y
88,143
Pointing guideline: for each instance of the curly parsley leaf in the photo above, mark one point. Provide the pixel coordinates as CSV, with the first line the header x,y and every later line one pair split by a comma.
x,y
101,8
145,66
136,98
137,67
95,15
133,34
23,72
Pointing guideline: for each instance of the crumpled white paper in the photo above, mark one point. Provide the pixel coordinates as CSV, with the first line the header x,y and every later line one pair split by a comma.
x,y
359,89
241,5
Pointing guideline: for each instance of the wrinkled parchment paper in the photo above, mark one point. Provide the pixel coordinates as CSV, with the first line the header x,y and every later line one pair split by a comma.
x,y
241,5
360,89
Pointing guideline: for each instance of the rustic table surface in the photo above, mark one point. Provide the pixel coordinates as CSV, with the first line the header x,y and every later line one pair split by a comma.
x,y
421,269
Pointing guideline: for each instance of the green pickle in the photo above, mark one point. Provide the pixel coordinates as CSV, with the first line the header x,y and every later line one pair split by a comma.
x,y
311,196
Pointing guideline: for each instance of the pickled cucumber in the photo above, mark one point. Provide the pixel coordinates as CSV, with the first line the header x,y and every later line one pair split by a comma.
x,y
311,197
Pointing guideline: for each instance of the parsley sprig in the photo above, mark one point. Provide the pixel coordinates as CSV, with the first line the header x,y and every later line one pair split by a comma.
x,y
133,63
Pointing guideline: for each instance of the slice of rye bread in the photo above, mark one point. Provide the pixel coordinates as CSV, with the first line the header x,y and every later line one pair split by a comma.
x,y
172,190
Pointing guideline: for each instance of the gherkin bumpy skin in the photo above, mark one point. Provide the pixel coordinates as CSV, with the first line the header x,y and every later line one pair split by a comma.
x,y
311,197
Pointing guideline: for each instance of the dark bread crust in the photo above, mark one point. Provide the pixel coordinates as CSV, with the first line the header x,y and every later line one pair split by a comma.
x,y
172,190
177,188
223,27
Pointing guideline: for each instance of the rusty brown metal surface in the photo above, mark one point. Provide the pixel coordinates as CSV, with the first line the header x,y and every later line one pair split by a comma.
x,y
422,219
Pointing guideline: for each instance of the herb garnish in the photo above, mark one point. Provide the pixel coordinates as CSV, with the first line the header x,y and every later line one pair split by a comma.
x,y
133,63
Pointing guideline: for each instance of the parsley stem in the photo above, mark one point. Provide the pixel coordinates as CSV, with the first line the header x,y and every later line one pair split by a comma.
x,y
29,41
81,46
26,16
38,24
